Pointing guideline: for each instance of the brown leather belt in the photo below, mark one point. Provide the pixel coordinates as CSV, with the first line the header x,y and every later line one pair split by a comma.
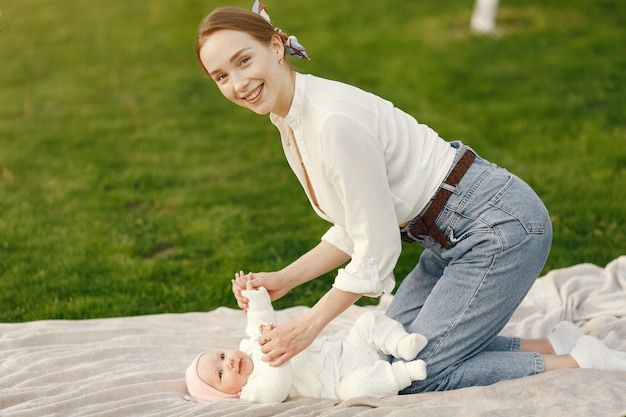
x,y
425,224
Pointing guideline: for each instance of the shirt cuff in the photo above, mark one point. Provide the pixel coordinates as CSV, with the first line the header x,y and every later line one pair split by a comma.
x,y
371,285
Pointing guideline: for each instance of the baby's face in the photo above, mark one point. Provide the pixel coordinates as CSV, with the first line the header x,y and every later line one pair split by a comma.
x,y
226,371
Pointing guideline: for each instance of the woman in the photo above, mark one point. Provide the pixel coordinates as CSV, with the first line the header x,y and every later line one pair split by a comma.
x,y
380,177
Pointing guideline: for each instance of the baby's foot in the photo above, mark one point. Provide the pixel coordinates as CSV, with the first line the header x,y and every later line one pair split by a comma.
x,y
591,353
563,337
410,345
417,370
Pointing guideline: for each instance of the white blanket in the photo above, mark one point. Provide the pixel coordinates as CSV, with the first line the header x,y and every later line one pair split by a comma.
x,y
134,366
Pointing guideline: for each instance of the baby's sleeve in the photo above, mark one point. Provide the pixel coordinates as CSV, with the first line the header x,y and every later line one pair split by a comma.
x,y
266,383
260,310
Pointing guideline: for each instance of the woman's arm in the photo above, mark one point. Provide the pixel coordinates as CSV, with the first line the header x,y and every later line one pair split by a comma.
x,y
321,259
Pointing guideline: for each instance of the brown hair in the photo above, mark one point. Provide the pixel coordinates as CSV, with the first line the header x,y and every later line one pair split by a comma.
x,y
235,18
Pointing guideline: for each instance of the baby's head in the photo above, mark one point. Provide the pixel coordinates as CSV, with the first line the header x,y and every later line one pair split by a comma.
x,y
214,376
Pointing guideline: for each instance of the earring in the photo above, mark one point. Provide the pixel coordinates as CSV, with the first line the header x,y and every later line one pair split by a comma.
x,y
282,61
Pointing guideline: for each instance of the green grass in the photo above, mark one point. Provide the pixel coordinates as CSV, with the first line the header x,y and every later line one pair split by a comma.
x,y
129,186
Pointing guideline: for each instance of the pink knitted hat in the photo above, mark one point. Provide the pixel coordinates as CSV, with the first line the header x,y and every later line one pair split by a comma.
x,y
200,390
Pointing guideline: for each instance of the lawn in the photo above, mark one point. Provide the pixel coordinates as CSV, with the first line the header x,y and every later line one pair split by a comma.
x,y
129,186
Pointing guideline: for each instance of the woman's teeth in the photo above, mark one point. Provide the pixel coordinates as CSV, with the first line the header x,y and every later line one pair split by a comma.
x,y
254,94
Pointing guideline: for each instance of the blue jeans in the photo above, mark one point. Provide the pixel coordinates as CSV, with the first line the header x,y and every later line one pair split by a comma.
x,y
460,298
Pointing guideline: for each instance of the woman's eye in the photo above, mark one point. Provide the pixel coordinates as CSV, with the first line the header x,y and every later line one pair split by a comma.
x,y
245,60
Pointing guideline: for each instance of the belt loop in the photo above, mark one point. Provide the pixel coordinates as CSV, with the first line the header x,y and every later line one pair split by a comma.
x,y
448,187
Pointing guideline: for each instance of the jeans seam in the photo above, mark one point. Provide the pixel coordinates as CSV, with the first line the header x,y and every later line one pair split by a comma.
x,y
516,344
539,364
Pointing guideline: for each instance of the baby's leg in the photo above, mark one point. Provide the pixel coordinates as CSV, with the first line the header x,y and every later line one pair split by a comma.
x,y
416,369
409,346
382,379
375,331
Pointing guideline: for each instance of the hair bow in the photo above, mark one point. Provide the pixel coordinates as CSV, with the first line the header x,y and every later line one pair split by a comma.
x,y
292,46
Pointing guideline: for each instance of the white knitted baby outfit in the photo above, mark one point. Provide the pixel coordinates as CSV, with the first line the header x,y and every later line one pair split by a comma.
x,y
332,368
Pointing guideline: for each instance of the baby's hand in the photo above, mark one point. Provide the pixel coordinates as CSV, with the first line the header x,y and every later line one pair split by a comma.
x,y
266,328
242,279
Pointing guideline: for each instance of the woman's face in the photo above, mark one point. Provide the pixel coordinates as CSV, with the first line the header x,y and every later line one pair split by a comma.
x,y
248,72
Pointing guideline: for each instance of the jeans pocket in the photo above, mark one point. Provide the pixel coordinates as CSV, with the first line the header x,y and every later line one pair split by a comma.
x,y
518,200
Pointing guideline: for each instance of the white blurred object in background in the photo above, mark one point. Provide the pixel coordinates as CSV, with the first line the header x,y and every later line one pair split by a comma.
x,y
484,16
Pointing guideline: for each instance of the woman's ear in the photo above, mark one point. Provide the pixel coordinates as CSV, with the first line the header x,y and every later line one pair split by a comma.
x,y
278,46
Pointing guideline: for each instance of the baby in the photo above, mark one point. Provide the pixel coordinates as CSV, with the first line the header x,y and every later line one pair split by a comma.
x,y
327,369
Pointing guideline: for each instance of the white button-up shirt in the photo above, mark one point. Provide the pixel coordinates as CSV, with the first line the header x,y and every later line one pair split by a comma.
x,y
371,167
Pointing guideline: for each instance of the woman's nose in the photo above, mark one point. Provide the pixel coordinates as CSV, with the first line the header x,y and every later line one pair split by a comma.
x,y
240,82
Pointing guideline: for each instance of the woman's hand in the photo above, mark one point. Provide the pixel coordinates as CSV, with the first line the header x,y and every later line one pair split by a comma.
x,y
272,281
275,283
283,342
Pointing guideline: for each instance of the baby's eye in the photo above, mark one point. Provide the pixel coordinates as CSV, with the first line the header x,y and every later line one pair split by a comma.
x,y
220,373
222,356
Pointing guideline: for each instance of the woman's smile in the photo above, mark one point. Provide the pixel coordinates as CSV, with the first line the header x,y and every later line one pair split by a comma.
x,y
254,95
